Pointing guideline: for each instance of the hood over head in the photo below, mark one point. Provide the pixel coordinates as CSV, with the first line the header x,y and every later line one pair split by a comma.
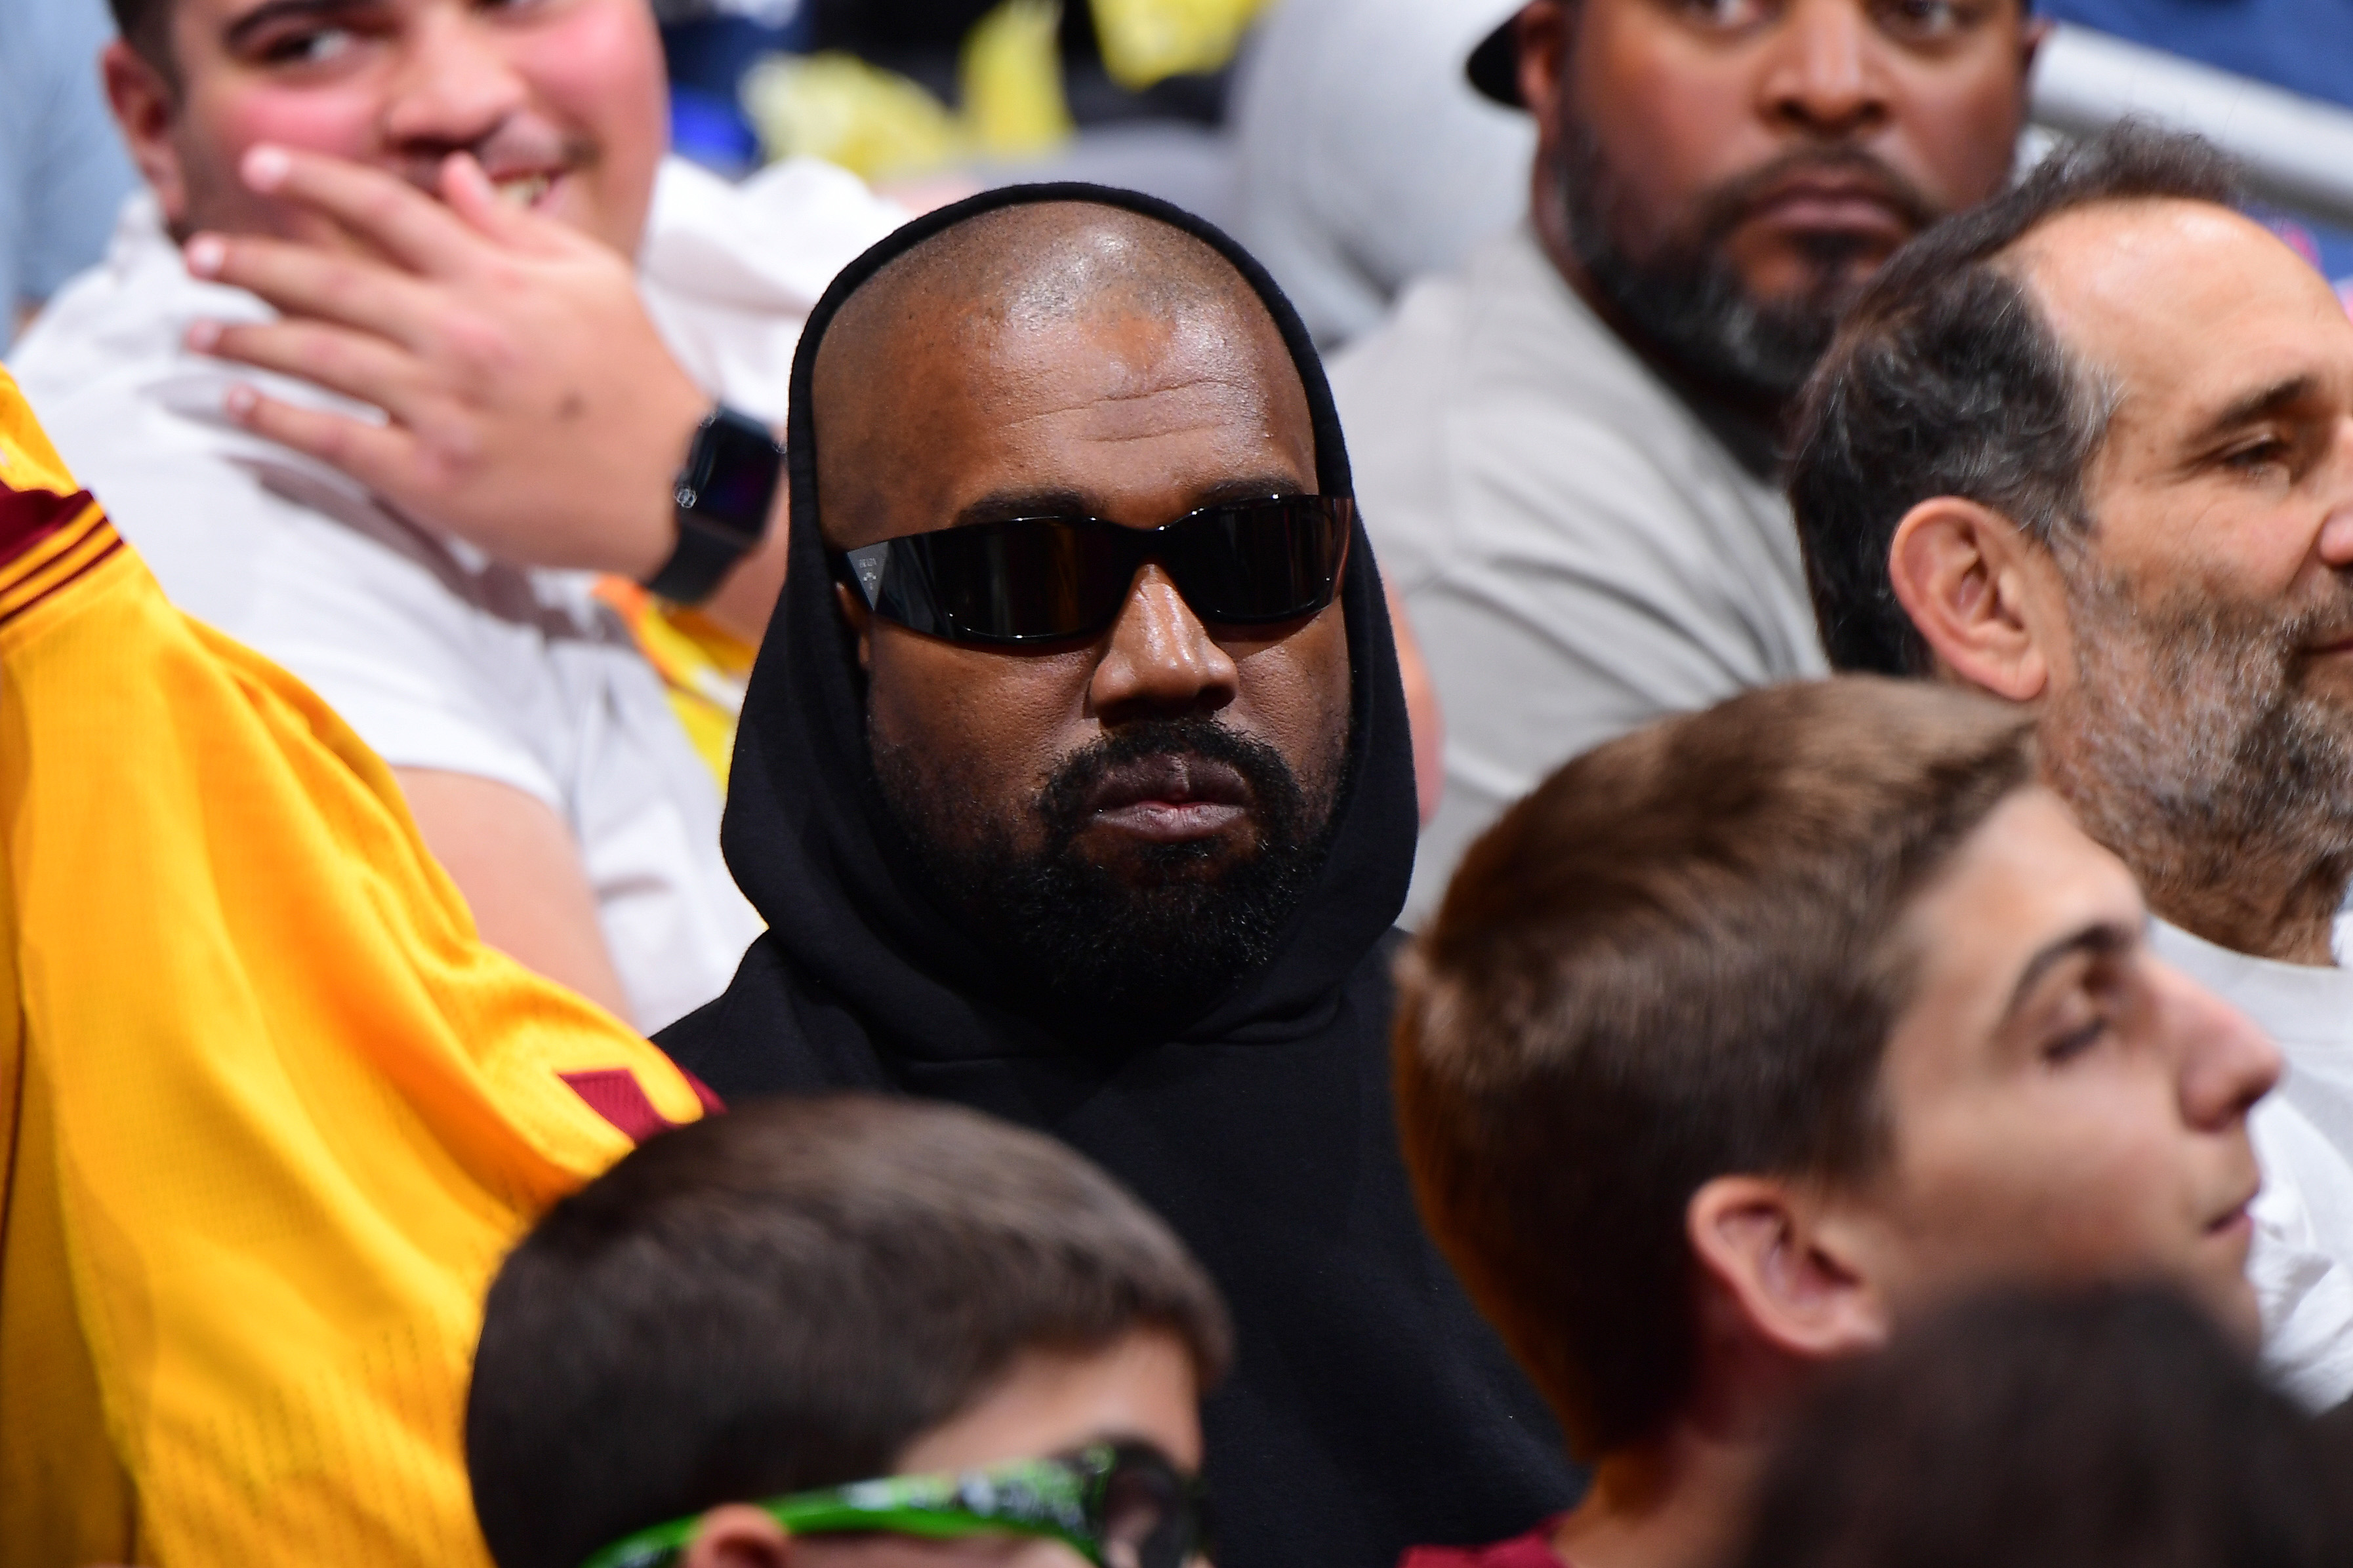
x,y
812,844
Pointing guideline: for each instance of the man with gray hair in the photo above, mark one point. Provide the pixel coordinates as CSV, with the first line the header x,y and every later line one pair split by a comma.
x,y
2090,448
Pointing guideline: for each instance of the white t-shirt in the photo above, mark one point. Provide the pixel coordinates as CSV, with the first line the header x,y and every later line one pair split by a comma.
x,y
437,654
2301,1262
1579,553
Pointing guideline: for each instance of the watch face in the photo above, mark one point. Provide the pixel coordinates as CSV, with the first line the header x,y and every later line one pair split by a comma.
x,y
735,476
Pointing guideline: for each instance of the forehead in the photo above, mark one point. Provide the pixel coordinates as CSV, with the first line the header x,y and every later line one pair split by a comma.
x,y
2185,306
2026,878
1127,402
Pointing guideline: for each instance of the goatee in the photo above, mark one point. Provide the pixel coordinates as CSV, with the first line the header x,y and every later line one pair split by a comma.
x,y
1109,955
1687,297
2195,746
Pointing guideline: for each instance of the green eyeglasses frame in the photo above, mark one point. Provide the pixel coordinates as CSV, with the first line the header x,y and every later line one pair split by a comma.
x,y
1067,1497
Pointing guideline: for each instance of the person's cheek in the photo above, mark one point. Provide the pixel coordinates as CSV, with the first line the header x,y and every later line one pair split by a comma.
x,y
598,74
338,119
1958,121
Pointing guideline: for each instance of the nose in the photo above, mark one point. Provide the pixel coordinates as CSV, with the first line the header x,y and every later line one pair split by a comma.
x,y
2226,1063
1823,76
1160,660
2336,524
453,85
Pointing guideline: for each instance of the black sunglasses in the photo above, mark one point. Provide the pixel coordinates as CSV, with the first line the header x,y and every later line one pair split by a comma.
x,y
1039,579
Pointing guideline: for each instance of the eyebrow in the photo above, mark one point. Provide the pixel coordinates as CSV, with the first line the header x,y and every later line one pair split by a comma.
x,y
238,34
998,506
2105,939
2268,402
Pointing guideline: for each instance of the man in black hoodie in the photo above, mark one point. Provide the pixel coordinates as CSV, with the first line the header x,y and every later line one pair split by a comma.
x,y
1074,785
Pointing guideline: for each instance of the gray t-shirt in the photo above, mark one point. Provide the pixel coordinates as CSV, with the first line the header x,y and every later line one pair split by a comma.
x,y
1579,553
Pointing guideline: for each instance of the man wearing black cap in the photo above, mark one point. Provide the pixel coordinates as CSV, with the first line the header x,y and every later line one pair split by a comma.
x,y
1571,443
1074,785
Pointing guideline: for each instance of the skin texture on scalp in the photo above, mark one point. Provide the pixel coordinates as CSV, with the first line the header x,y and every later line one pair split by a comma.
x,y
1069,359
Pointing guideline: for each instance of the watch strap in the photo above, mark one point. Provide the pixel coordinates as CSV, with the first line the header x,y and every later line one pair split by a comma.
x,y
721,498
698,564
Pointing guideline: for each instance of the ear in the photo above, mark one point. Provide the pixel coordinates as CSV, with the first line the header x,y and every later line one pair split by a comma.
x,y
738,1535
860,617
1540,45
146,108
1976,588
1793,1284
2031,40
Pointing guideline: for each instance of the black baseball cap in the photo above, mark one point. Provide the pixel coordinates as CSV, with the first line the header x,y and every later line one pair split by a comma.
x,y
1494,67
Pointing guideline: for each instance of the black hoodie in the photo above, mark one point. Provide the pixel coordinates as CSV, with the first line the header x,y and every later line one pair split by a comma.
x,y
1371,1407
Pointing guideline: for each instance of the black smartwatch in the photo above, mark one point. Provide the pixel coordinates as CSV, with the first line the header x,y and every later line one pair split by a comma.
x,y
723,494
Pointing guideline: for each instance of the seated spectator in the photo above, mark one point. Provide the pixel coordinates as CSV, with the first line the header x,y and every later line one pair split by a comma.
x,y
274,1109
2086,449
414,220
1569,446
1074,785
1757,1032
725,1343
2105,1429
62,171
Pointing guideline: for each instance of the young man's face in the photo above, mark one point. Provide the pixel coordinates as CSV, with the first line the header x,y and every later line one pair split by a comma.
x,y
563,102
2062,1106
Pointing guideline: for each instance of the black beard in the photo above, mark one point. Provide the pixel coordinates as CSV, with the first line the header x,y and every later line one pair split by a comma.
x,y
1687,298
2193,748
1116,959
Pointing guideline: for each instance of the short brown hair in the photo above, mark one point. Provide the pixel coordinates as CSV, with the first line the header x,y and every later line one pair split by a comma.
x,y
146,26
1670,962
784,1297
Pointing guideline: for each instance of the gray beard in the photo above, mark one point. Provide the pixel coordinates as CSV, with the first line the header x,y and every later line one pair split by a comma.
x,y
2191,747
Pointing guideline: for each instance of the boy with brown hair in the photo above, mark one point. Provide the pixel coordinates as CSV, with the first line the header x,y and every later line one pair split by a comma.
x,y
1752,1031
849,1326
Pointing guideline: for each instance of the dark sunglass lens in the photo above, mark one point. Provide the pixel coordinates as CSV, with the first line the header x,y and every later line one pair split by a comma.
x,y
1146,1518
1262,561
1030,579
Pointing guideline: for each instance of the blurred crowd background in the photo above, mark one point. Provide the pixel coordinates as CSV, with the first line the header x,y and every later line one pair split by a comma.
x,y
1337,138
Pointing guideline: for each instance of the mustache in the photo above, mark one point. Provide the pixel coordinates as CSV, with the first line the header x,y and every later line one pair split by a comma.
x,y
1066,804
1725,207
512,143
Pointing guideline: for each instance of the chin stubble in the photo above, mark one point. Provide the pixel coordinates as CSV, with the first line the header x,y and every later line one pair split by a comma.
x,y
2192,747
1106,955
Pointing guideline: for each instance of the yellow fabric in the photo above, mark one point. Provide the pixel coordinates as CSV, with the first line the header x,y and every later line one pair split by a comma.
x,y
885,127
1146,41
272,1110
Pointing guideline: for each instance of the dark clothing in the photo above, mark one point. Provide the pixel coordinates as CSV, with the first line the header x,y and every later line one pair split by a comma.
x,y
1371,1407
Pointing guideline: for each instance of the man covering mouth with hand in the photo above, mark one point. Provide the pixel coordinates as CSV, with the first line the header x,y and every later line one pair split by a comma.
x,y
415,331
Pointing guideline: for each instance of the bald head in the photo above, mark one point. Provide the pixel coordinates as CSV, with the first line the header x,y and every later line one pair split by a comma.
x,y
1018,353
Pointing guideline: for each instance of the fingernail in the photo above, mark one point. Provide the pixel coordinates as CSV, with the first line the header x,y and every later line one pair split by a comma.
x,y
206,253
203,335
239,401
265,167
